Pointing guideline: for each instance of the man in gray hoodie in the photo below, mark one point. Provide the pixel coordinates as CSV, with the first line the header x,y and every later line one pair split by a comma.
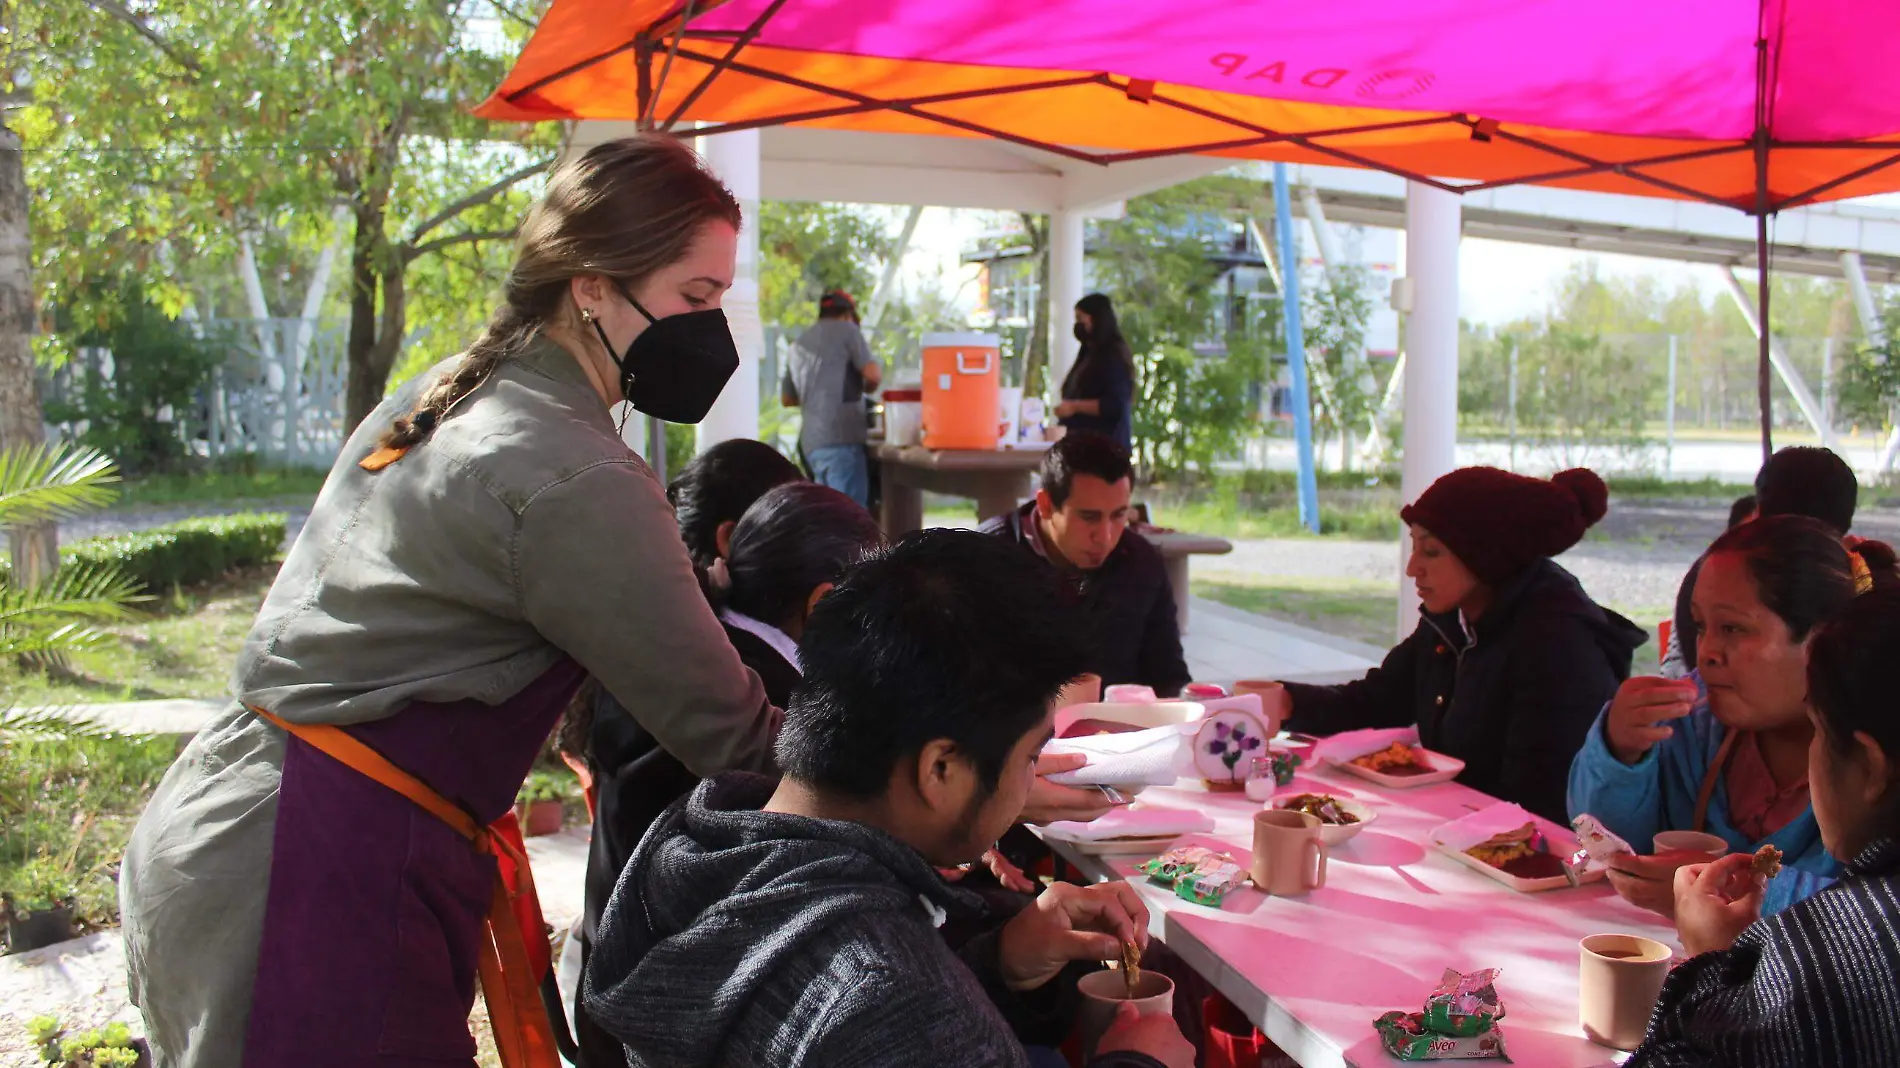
x,y
794,923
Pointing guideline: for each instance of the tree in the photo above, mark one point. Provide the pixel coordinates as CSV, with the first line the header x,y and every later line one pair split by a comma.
x,y
1199,361
1335,313
164,130
35,545
806,250
1869,389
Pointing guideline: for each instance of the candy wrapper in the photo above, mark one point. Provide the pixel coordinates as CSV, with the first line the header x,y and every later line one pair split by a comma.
x,y
1208,887
1597,839
1460,1022
1406,1037
1181,861
1464,1005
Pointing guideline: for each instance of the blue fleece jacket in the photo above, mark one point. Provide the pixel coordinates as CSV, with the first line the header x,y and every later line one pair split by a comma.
x,y
1658,793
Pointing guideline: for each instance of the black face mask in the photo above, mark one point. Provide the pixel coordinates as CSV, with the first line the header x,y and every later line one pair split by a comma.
x,y
1082,333
678,365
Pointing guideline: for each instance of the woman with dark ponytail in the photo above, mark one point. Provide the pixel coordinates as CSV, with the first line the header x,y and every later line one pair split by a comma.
x,y
1725,750
321,876
785,553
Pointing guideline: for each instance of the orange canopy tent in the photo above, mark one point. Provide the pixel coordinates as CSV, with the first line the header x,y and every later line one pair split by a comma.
x,y
1756,106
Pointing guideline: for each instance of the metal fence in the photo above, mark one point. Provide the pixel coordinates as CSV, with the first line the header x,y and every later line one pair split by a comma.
x,y
278,395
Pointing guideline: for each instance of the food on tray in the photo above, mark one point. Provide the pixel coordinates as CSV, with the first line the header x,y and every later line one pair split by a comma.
x,y
1596,839
1459,1022
1396,759
1324,807
1522,852
1131,966
1767,862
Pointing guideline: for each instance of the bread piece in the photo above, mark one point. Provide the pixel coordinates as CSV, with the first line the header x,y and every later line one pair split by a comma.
x,y
1767,862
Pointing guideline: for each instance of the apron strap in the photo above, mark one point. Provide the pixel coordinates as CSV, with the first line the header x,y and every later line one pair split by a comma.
x,y
523,1034
1709,778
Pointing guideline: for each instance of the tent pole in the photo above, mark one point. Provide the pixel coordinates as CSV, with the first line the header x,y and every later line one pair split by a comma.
x,y
1763,372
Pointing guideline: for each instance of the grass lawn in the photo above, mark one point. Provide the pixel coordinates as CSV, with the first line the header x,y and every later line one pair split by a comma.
x,y
180,644
1344,608
234,485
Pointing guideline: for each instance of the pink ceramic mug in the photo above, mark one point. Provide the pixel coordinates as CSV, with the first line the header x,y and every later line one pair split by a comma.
x,y
1289,856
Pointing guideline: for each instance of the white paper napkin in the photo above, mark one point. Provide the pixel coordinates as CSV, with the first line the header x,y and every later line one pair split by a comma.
x,y
1495,819
1140,820
1154,757
1351,745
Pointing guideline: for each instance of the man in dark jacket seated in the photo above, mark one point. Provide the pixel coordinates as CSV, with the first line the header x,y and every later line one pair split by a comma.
x,y
1079,523
795,922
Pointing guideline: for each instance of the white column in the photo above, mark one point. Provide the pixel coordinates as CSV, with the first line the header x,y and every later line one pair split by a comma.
x,y
735,158
1431,347
1065,288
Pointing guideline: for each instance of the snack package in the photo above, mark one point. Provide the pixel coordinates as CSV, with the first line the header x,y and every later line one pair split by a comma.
x,y
1464,1005
1597,839
1406,1037
1208,887
1180,861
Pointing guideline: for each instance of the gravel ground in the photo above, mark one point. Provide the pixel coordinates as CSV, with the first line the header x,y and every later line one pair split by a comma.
x,y
1634,559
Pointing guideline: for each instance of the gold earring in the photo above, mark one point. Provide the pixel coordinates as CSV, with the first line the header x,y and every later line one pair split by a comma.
x,y
587,315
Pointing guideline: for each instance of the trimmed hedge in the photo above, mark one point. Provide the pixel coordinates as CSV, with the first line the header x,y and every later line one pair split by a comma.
x,y
185,553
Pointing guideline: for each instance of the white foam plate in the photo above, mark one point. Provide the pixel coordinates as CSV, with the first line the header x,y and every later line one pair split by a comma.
x,y
1445,769
1522,886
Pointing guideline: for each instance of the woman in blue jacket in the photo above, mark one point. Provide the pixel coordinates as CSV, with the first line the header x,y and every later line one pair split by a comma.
x,y
1725,750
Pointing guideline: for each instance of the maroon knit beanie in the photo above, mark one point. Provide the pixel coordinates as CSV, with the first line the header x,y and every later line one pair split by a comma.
x,y
1498,523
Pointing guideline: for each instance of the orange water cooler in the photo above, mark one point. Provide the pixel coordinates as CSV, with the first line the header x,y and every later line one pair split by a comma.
x,y
962,373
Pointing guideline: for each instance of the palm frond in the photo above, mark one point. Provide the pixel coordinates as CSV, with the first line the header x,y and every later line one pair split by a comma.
x,y
52,481
47,723
76,591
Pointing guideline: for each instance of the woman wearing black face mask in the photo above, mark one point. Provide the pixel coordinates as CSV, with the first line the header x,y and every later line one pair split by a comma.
x,y
316,882
1099,392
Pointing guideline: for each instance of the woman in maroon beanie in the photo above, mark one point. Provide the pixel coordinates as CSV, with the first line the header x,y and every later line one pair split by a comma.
x,y
1512,660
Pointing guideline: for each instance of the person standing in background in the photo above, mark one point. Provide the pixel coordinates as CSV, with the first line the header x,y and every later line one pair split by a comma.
x,y
831,370
1099,392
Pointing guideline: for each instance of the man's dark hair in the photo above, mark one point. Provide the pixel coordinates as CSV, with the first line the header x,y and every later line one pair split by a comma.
x,y
1811,481
1082,452
1741,511
718,486
797,537
949,634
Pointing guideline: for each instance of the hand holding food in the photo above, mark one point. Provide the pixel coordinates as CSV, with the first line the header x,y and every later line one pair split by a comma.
x,y
1716,902
1069,923
1641,711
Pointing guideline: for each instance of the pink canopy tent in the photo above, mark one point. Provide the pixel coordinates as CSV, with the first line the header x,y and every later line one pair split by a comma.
x,y
1759,106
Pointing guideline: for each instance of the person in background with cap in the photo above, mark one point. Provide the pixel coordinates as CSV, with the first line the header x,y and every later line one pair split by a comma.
x,y
1799,480
831,370
1512,659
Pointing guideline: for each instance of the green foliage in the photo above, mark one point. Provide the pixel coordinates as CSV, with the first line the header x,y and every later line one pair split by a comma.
x,y
69,805
53,481
1869,385
1191,406
806,249
1587,398
1334,317
110,1046
40,884
545,784
159,133
159,368
183,553
237,479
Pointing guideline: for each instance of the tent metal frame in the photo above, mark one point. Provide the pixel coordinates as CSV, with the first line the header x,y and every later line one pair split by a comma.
x,y
672,33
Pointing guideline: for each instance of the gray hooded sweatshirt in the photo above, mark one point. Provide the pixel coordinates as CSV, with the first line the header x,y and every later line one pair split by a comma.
x,y
742,937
